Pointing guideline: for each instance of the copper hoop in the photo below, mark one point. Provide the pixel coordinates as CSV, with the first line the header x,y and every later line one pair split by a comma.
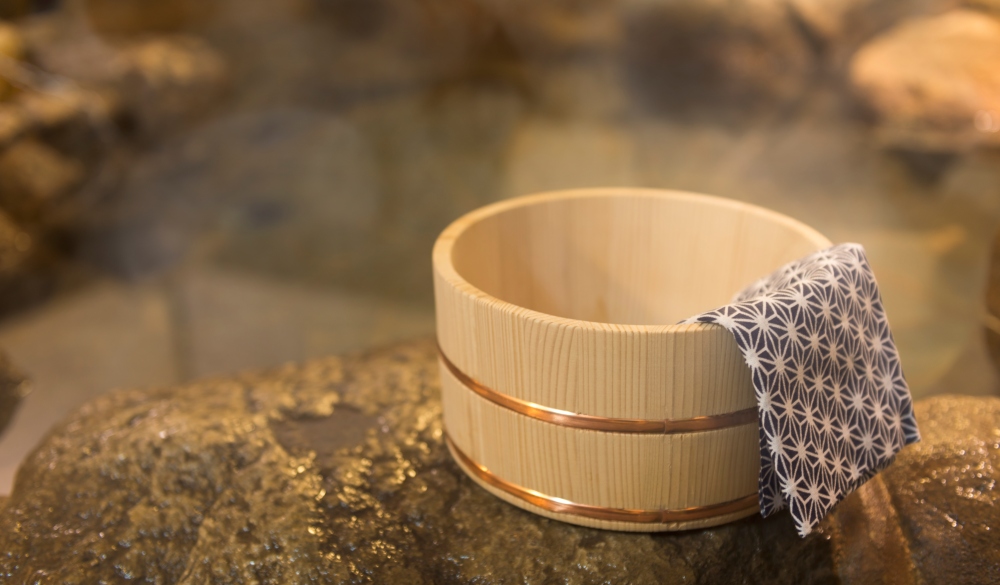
x,y
575,420
559,505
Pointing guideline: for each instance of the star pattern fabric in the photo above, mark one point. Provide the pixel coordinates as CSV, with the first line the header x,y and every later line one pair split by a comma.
x,y
833,404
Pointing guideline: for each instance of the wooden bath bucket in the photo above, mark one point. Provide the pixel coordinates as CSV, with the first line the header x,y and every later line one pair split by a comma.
x,y
568,388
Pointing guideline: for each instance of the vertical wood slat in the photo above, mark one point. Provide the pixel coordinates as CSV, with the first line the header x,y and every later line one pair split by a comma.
x,y
633,471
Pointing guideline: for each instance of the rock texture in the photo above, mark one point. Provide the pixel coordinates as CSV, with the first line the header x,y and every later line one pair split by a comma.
x,y
946,494
159,82
330,472
932,516
74,110
933,82
334,471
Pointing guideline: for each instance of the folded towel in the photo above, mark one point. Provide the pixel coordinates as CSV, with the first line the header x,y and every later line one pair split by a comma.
x,y
833,404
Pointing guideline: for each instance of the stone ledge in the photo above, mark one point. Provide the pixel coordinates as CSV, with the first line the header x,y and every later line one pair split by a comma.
x,y
335,471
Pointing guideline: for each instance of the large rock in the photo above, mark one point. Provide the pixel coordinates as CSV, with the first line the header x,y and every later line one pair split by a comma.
x,y
13,387
946,493
723,49
11,47
387,44
933,82
80,106
15,246
26,268
176,80
15,8
335,471
330,472
159,83
719,50
52,145
836,28
992,329
558,28
29,269
984,5
33,177
128,17
931,517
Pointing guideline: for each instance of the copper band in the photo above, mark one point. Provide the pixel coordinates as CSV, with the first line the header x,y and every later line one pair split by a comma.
x,y
559,505
601,423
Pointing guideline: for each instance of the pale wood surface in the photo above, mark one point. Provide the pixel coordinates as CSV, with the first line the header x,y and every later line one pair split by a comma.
x,y
570,300
618,470
607,524
517,281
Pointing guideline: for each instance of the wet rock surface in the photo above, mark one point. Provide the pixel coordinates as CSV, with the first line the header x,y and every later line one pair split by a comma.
x,y
946,494
335,471
933,82
932,516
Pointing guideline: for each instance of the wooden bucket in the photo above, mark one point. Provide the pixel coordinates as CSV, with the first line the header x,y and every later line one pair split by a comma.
x,y
568,388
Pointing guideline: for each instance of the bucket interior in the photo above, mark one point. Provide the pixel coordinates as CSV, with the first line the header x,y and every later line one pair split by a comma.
x,y
643,260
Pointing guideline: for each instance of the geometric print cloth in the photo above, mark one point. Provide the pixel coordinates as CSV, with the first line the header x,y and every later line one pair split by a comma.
x,y
833,405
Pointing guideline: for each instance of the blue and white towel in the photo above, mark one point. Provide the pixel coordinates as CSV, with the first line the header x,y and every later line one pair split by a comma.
x,y
834,407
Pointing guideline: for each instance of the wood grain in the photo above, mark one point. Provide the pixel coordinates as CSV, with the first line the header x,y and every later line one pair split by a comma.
x,y
570,300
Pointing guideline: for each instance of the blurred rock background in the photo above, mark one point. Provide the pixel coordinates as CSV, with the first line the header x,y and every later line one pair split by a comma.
x,y
190,188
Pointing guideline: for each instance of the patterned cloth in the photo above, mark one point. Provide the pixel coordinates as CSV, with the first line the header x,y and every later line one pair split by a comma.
x,y
834,407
